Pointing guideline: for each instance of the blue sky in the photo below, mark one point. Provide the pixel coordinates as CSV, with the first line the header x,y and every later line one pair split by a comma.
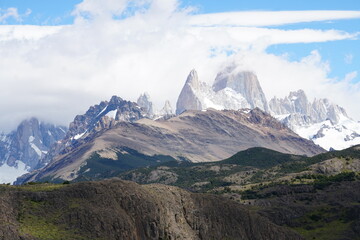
x,y
76,56
51,12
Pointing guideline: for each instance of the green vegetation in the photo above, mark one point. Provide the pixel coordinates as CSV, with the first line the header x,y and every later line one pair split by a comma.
x,y
41,228
38,187
97,168
324,223
261,158
36,222
317,206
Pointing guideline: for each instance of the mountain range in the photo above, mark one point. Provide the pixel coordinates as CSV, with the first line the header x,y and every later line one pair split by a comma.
x,y
194,136
254,176
211,123
321,121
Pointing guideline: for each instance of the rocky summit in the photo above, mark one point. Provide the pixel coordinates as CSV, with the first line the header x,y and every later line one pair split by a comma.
x,y
245,83
231,90
24,148
97,118
321,121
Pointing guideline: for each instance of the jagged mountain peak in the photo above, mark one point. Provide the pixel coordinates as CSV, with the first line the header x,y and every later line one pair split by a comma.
x,y
116,100
188,98
167,109
297,103
144,101
22,149
232,89
97,118
193,81
193,76
245,83
322,121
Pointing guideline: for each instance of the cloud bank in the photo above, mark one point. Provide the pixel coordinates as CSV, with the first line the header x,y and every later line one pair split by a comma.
x,y
127,47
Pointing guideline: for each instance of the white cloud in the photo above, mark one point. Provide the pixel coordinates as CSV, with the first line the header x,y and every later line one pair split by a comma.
x,y
9,13
262,18
12,12
57,72
26,32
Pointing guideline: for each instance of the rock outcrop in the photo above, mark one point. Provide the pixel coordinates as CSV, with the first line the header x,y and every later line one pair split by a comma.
x,y
145,102
326,123
243,82
317,111
231,90
189,99
96,119
29,143
117,209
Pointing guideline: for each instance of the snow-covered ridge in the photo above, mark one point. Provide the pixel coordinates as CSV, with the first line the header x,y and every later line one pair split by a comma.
x,y
332,136
321,121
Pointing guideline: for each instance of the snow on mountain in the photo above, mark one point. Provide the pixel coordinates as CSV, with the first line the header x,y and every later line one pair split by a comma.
x,y
322,121
167,109
22,149
97,118
326,123
332,136
231,90
244,83
9,174
145,102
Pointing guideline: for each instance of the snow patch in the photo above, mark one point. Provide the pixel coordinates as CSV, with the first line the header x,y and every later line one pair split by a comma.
x,y
31,139
10,174
102,111
246,111
112,114
36,149
76,137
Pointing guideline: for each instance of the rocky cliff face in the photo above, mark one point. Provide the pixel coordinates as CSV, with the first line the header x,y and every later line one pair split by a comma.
x,y
245,83
145,102
321,121
296,102
317,111
97,118
231,90
28,144
189,99
326,123
117,209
